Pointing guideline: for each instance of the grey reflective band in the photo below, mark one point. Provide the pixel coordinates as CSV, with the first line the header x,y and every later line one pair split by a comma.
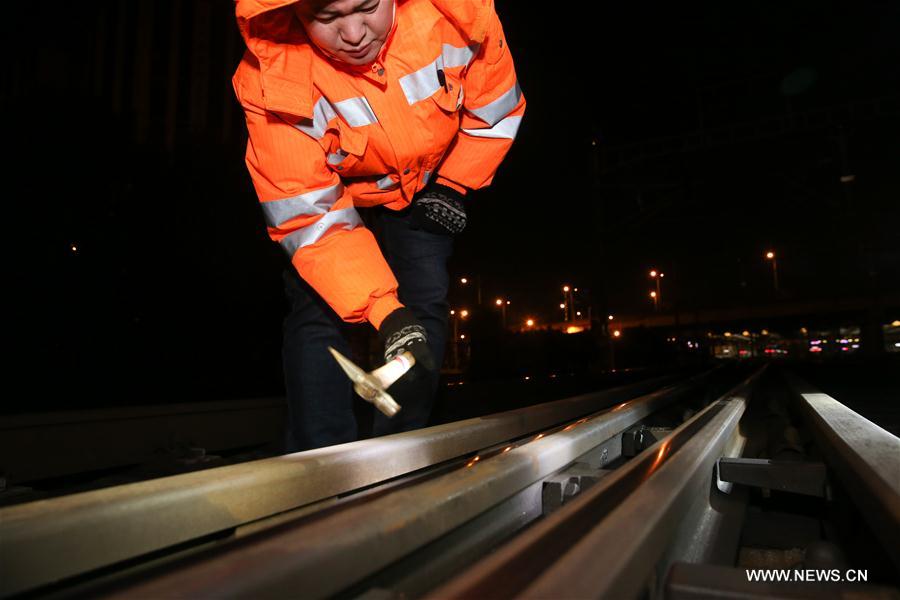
x,y
336,158
346,218
500,107
506,128
311,203
385,182
356,111
426,178
315,127
458,57
421,84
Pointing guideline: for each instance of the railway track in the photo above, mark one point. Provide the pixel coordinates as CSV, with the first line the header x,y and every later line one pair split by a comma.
x,y
621,493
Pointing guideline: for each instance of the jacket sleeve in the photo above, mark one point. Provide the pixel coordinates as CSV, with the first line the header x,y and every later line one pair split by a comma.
x,y
311,216
493,107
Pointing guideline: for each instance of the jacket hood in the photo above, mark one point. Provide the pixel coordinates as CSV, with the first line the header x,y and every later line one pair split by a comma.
x,y
274,35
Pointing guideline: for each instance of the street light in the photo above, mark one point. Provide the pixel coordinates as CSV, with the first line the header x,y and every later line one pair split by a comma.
x,y
770,255
657,275
655,297
456,336
502,304
612,349
529,323
569,299
465,281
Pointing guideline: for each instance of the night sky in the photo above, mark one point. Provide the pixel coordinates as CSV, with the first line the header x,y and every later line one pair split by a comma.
x,y
690,137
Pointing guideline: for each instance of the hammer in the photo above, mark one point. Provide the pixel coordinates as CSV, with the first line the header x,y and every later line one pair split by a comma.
x,y
371,386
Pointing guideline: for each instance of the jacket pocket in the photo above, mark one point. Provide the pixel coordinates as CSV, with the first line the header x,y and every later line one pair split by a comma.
x,y
347,149
449,95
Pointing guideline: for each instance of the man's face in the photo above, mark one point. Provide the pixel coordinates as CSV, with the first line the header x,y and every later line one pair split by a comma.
x,y
351,31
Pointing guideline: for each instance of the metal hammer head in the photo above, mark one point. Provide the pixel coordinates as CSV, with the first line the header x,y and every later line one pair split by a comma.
x,y
371,386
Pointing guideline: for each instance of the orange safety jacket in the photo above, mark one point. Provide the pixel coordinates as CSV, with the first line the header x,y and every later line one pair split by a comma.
x,y
441,100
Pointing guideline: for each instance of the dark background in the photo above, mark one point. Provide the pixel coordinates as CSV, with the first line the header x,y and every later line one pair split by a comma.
x,y
690,137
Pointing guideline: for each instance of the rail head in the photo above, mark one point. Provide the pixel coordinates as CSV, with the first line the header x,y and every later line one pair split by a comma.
x,y
864,456
49,540
622,523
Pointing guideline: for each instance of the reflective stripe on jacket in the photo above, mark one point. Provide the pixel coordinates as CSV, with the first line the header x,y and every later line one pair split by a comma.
x,y
441,101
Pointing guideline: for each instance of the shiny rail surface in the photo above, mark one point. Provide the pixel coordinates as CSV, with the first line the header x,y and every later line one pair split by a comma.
x,y
321,557
865,457
608,540
48,541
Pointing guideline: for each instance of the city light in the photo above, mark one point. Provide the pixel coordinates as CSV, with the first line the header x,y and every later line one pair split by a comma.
x,y
464,313
745,333
529,323
770,255
617,333
765,332
452,312
462,336
653,273
574,329
653,294
74,248
463,280
499,302
565,288
610,317
562,305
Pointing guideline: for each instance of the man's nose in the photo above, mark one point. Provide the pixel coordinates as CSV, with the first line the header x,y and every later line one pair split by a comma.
x,y
353,30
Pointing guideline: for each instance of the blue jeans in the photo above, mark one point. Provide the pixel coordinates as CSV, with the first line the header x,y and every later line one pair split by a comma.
x,y
319,394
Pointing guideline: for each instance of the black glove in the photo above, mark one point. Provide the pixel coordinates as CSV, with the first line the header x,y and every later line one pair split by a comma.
x,y
401,331
439,209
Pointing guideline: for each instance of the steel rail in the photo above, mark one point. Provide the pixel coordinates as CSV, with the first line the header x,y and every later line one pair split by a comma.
x,y
326,555
608,540
865,457
46,541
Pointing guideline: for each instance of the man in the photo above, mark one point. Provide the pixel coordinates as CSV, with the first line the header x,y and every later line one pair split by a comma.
x,y
390,108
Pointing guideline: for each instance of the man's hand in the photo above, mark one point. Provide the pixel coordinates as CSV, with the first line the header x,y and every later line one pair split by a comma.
x,y
401,331
439,209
